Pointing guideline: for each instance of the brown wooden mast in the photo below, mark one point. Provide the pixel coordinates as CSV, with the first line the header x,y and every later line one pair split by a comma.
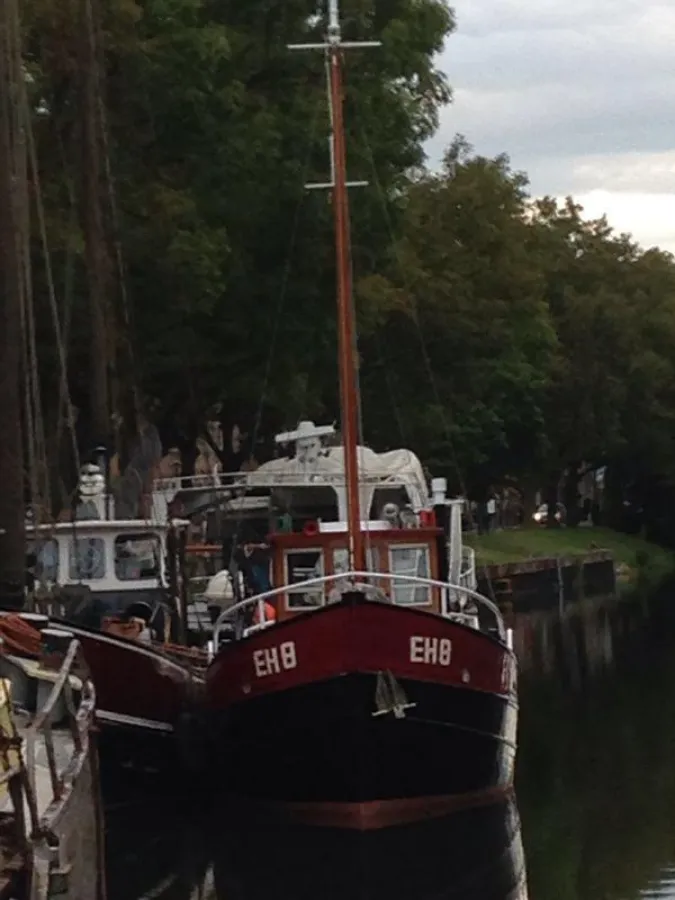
x,y
96,250
12,512
346,326
347,355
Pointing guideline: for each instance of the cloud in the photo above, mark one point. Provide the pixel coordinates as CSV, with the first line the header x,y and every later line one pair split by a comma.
x,y
578,94
648,217
498,16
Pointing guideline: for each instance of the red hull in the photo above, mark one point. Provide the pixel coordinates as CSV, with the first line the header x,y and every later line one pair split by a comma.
x,y
344,638
136,685
441,738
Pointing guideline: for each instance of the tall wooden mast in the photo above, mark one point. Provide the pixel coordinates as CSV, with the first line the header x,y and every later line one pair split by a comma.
x,y
96,250
12,534
347,355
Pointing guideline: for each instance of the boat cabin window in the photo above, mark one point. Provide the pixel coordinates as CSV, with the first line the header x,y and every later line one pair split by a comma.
x,y
47,561
137,556
341,560
410,559
302,565
86,559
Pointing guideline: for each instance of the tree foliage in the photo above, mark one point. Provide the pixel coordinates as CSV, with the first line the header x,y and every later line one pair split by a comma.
x,y
501,337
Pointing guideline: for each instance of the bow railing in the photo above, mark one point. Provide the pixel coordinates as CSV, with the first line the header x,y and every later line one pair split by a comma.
x,y
349,581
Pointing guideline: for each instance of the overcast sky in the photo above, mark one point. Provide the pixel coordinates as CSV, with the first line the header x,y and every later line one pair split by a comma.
x,y
580,94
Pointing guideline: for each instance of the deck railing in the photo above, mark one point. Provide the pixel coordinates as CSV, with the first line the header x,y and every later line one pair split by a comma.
x,y
359,581
250,481
467,576
79,721
21,777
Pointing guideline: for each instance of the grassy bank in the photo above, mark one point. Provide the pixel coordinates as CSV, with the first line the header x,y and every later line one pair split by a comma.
x,y
516,545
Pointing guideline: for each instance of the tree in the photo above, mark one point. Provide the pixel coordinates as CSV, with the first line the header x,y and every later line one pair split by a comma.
x,y
464,318
212,128
611,399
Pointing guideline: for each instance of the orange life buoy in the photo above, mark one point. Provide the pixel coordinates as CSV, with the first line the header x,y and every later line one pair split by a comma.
x,y
270,613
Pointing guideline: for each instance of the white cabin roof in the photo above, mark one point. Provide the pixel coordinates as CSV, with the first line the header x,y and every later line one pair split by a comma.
x,y
396,467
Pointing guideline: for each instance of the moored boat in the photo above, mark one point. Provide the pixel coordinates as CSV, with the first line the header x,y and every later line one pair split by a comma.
x,y
369,684
114,583
370,697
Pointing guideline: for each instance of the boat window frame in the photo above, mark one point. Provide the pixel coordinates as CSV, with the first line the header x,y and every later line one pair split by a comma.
x,y
41,574
74,570
412,588
137,536
372,558
290,590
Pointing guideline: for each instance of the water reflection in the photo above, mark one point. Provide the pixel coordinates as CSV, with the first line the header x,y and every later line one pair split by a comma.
x,y
595,780
159,849
471,855
596,776
156,840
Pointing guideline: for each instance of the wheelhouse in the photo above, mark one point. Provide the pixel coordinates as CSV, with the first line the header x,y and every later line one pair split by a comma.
x,y
103,555
286,524
321,550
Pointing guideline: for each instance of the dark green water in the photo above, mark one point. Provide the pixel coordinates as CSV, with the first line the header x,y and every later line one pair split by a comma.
x,y
595,784
596,779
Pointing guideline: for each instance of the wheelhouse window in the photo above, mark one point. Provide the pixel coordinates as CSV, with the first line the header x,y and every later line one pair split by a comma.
x,y
341,565
302,565
137,556
47,561
86,559
341,560
411,559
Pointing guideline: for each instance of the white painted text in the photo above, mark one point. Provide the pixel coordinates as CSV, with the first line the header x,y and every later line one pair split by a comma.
x,y
430,650
273,660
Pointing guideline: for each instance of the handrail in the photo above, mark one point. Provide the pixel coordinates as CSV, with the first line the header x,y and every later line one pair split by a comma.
x,y
78,719
260,599
39,828
241,481
41,718
468,571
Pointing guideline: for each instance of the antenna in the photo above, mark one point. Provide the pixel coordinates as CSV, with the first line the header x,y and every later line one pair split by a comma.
x,y
333,42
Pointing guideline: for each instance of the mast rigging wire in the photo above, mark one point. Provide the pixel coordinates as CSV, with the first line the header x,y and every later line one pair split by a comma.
x,y
281,299
51,290
441,407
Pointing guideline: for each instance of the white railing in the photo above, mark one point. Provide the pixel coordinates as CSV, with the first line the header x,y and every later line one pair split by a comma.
x,y
356,581
80,719
467,576
250,481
